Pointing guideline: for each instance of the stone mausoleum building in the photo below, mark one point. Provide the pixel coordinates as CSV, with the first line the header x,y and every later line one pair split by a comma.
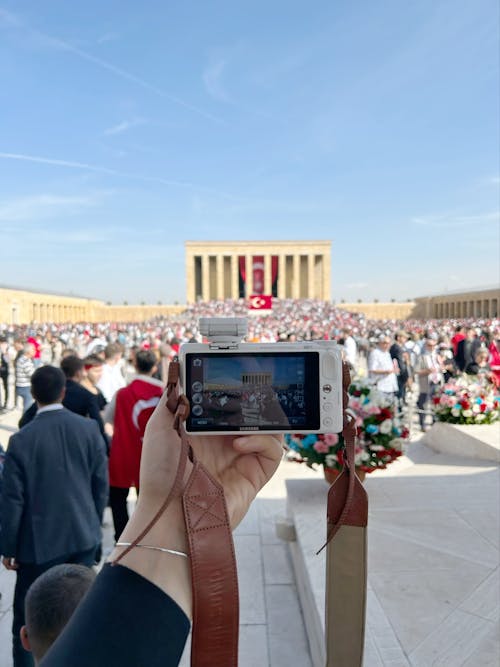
x,y
235,270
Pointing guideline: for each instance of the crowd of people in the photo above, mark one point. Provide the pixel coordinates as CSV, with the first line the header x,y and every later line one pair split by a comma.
x,y
24,348
97,385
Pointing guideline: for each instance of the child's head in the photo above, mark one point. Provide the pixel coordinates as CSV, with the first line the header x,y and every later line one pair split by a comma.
x,y
50,603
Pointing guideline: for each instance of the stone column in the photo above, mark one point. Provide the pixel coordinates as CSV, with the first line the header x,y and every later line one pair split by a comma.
x,y
205,278
219,264
235,269
281,276
267,275
296,277
311,287
249,274
325,277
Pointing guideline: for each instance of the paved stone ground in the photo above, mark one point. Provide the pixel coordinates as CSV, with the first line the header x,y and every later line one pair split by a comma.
x,y
272,628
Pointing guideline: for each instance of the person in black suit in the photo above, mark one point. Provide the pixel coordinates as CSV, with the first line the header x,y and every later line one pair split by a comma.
x,y
466,349
76,398
54,491
398,353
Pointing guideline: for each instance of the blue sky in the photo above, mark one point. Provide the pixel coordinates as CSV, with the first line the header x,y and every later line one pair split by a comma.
x,y
127,128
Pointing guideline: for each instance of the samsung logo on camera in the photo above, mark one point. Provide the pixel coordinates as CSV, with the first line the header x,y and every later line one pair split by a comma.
x,y
249,428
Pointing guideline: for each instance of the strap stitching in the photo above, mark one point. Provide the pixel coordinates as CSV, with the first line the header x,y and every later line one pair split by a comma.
x,y
206,510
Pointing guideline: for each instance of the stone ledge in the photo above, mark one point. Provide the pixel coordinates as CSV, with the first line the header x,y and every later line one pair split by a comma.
x,y
481,441
306,506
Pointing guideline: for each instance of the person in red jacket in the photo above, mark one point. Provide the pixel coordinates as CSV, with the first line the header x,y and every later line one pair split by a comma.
x,y
129,412
494,350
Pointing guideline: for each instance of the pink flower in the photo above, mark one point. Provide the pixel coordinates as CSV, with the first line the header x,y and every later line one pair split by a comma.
x,y
331,439
321,447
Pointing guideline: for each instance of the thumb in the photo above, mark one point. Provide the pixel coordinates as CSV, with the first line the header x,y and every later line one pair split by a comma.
x,y
266,446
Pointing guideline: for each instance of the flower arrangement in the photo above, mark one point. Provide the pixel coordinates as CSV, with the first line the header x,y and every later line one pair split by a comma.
x,y
466,401
380,434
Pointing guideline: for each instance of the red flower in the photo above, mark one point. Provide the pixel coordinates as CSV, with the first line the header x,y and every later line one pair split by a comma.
x,y
436,400
482,407
465,404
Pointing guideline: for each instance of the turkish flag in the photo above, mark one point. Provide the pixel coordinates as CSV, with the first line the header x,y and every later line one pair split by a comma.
x,y
260,302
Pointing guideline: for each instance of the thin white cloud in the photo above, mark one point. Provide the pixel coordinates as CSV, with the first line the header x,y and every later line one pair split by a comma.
x,y
451,220
60,44
113,172
212,79
40,207
107,37
494,180
124,126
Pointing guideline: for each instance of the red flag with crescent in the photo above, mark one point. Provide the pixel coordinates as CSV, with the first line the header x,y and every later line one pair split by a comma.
x,y
260,302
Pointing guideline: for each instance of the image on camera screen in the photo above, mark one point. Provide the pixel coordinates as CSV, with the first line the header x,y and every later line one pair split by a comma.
x,y
252,391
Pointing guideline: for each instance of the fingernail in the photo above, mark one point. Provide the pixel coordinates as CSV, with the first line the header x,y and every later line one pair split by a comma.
x,y
243,440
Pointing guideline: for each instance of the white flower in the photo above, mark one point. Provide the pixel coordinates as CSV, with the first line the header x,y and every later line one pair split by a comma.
x,y
476,409
398,443
386,426
455,412
480,417
331,460
467,413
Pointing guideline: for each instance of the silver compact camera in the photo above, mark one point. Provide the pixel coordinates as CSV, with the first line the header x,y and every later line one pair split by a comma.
x,y
236,387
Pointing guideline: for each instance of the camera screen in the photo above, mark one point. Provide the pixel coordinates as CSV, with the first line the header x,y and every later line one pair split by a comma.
x,y
253,392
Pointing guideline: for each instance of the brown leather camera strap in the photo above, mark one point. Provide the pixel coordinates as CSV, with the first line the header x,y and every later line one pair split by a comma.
x,y
214,577
346,561
213,572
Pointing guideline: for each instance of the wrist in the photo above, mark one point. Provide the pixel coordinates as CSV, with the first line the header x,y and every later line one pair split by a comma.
x,y
168,531
170,572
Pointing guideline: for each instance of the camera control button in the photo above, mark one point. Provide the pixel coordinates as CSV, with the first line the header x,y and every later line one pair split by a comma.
x,y
327,421
328,407
328,366
327,388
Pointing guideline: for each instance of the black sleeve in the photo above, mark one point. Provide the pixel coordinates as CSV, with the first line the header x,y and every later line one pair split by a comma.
x,y
94,413
124,621
100,478
29,415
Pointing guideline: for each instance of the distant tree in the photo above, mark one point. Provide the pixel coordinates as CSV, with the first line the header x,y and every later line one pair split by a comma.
x,y
176,303
143,303
393,300
108,303
375,300
342,300
360,301
125,303
160,303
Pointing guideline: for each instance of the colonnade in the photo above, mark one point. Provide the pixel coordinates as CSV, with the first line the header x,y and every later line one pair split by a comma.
x,y
299,269
479,303
56,312
469,308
